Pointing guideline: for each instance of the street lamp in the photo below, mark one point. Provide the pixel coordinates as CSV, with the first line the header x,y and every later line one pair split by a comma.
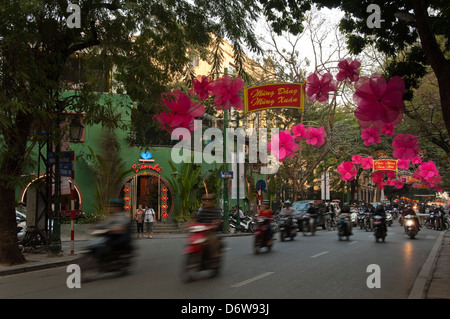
x,y
76,129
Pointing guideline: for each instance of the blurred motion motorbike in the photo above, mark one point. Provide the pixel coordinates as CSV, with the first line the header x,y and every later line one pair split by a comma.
x,y
410,225
202,252
263,236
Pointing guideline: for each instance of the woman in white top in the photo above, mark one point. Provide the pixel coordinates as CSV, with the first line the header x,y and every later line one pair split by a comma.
x,y
149,220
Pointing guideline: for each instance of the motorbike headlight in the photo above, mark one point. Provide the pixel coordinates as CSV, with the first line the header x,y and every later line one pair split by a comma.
x,y
409,223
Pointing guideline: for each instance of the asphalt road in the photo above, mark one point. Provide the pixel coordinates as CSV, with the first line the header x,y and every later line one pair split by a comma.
x,y
315,267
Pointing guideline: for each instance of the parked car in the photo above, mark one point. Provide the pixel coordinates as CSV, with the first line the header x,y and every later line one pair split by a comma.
x,y
301,207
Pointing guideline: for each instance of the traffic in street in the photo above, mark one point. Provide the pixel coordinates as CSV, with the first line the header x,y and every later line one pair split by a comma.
x,y
316,266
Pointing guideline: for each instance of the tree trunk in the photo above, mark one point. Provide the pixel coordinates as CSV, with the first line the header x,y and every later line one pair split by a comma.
x,y
9,249
438,62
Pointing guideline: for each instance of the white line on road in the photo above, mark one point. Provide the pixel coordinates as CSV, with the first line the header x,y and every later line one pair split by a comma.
x,y
242,283
320,254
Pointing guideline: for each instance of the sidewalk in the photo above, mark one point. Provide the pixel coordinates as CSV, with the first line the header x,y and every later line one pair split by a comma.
x,y
437,284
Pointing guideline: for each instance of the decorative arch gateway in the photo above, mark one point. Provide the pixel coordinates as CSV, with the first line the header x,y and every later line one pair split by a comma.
x,y
146,188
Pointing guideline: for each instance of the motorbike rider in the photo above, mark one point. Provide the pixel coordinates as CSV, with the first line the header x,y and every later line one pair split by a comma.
x,y
410,211
439,216
241,214
119,230
211,215
346,210
265,211
381,212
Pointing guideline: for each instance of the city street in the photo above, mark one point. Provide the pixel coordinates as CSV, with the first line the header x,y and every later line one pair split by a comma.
x,y
317,266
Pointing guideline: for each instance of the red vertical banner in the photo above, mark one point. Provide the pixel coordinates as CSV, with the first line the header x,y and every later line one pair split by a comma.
x,y
164,199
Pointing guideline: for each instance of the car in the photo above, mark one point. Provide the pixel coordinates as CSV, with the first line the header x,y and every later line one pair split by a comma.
x,y
301,207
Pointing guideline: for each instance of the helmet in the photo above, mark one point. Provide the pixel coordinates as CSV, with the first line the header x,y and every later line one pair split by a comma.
x,y
287,202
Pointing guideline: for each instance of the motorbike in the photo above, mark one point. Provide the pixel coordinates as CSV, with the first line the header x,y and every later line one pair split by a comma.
x,y
261,237
368,222
379,229
308,224
354,218
389,218
108,253
361,220
288,227
330,221
430,221
410,225
246,223
202,252
343,226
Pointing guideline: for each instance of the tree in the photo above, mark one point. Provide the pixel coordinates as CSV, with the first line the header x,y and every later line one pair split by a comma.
x,y
414,27
146,42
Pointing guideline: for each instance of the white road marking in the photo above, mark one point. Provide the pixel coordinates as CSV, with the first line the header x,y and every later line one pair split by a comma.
x,y
320,254
242,283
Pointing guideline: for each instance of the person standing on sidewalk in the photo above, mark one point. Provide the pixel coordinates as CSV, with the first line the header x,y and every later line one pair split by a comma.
x,y
149,220
140,213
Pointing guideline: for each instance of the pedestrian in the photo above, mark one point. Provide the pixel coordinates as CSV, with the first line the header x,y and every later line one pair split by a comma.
x,y
140,214
149,220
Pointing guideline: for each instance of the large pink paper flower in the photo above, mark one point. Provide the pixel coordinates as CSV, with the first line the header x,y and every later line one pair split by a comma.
x,y
348,70
379,103
315,136
377,177
405,146
318,85
226,91
286,145
357,159
299,131
388,129
367,162
182,111
416,160
202,86
403,164
370,136
428,170
347,171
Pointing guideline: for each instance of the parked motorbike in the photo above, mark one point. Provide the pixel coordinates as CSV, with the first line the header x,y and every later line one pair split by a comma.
x,y
288,227
308,224
109,252
430,221
261,236
343,226
410,225
246,223
203,252
379,229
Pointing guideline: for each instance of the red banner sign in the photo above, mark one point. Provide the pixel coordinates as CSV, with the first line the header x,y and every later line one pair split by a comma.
x,y
385,165
276,95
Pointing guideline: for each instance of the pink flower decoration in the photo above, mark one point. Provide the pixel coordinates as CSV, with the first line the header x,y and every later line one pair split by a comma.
x,y
182,111
416,160
286,145
367,162
403,164
388,129
377,177
299,131
315,136
357,159
406,146
348,70
428,170
226,91
398,184
370,136
202,86
347,171
379,103
318,85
